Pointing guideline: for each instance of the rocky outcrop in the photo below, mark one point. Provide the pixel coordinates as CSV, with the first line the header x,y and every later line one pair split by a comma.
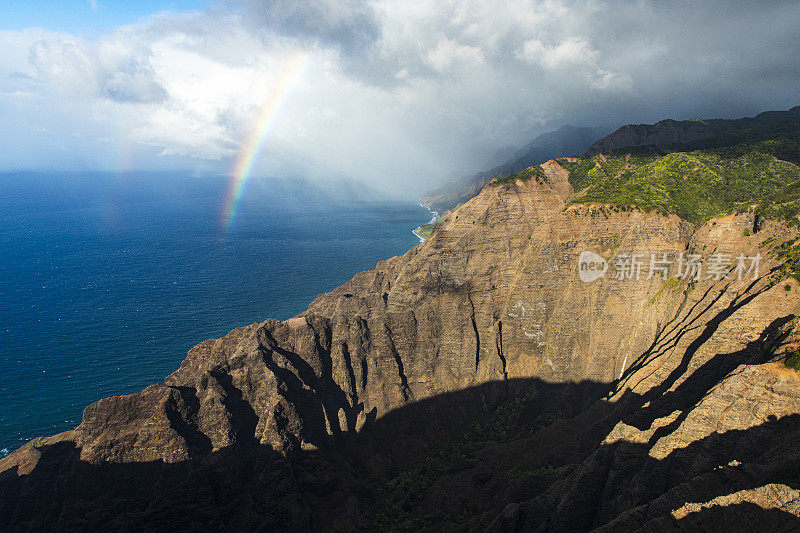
x,y
662,385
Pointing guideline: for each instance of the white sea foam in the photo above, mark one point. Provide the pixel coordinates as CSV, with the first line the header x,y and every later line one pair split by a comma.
x,y
434,218
434,214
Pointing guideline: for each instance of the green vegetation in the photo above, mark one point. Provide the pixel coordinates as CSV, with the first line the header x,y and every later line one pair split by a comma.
x,y
792,360
425,230
743,165
670,284
36,443
695,185
614,244
399,495
789,253
535,172
655,296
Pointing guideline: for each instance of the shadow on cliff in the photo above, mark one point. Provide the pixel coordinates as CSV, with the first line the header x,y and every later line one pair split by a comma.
x,y
557,475
624,479
252,487
623,486
240,488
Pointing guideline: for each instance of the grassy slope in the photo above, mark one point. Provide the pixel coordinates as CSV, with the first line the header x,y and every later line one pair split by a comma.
x,y
695,185
425,230
524,175
747,164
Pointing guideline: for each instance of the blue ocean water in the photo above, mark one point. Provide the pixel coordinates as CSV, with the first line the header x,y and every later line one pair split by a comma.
x,y
106,280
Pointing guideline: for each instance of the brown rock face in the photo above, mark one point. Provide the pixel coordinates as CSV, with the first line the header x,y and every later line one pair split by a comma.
x,y
293,424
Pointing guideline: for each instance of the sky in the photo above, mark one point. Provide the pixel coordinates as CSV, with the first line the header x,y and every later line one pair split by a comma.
x,y
400,94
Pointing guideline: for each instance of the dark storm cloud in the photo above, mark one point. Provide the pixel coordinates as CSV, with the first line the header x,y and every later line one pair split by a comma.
x,y
601,61
349,25
410,92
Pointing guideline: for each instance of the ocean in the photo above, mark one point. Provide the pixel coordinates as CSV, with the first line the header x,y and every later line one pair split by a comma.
x,y
107,280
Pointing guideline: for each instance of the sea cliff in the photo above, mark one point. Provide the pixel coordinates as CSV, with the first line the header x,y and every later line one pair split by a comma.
x,y
476,382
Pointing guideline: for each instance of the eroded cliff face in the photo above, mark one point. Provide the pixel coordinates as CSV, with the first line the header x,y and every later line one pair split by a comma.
x,y
491,303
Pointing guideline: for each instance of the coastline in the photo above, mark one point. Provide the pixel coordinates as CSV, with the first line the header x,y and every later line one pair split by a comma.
x,y
434,218
61,409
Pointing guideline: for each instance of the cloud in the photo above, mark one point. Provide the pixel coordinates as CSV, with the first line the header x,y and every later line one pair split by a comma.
x,y
82,69
345,24
449,52
400,93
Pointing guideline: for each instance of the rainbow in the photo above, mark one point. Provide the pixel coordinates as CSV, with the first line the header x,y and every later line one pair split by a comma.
x,y
248,155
